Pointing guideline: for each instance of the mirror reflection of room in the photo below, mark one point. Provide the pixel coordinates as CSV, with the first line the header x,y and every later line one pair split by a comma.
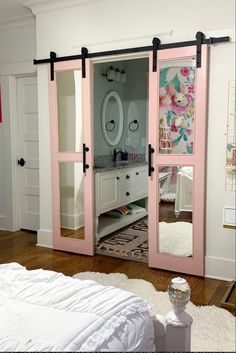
x,y
72,200
175,210
70,139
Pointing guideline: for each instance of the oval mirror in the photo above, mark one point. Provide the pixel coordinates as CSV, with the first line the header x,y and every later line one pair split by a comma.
x,y
112,118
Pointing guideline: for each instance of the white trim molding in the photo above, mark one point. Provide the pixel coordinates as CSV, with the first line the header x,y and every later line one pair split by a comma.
x,y
21,21
40,6
218,268
44,238
19,68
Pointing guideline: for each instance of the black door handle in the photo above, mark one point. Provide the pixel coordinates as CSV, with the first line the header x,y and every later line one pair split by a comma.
x,y
150,167
127,194
85,166
21,162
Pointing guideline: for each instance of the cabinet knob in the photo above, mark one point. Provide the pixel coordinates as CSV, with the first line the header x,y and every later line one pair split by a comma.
x,y
127,176
137,173
127,194
118,178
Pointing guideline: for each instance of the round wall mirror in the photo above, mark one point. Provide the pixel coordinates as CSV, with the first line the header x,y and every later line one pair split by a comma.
x,y
112,118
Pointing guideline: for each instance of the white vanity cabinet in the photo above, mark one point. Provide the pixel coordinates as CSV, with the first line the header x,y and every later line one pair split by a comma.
x,y
115,188
107,193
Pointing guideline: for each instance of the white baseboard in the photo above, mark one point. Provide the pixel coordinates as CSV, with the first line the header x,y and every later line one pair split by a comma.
x,y
2,222
44,238
70,221
218,268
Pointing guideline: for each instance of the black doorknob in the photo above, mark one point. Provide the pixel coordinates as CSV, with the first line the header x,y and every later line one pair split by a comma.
x,y
21,162
127,194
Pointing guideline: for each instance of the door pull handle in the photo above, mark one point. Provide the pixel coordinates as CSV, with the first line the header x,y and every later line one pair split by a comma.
x,y
150,167
85,165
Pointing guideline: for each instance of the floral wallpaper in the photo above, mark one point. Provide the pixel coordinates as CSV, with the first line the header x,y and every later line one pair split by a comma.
x,y
177,88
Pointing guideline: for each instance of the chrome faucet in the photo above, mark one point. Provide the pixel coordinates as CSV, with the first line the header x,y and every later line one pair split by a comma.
x,y
115,153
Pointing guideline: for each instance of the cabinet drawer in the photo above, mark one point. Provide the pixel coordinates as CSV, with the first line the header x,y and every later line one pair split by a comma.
x,y
127,177
127,195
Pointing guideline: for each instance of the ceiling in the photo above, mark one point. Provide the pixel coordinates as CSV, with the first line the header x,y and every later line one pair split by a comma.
x,y
13,9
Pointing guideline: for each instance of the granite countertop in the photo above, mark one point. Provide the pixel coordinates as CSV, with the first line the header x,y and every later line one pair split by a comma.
x,y
118,165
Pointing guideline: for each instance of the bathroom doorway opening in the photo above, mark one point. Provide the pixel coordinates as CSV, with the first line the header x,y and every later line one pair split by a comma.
x,y
121,169
120,158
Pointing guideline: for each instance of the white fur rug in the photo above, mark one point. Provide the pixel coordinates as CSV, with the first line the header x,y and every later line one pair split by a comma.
x,y
213,328
176,238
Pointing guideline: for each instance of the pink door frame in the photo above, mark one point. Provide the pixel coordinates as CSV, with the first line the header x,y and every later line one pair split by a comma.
x,y
195,264
85,246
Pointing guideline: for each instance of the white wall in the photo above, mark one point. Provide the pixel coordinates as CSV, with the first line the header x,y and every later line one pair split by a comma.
x,y
112,24
17,51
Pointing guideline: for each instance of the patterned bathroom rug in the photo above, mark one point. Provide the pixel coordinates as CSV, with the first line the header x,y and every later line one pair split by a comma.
x,y
131,243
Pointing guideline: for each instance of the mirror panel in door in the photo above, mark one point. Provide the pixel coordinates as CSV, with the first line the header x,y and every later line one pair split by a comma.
x,y
72,200
69,106
175,210
177,106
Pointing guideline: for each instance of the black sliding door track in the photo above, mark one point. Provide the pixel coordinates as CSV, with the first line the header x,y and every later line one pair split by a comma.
x,y
211,40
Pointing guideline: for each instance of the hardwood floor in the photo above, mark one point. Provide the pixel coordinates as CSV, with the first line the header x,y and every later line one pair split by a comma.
x,y
21,247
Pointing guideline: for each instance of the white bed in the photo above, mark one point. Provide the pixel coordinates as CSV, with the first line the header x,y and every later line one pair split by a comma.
x,y
47,311
43,311
184,187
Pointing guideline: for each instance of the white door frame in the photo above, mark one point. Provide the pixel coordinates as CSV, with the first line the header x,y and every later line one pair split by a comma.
x,y
9,75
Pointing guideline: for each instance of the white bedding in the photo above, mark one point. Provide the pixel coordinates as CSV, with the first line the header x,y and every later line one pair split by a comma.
x,y
46,311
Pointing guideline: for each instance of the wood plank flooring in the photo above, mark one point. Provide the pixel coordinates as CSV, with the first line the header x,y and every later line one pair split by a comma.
x,y
21,247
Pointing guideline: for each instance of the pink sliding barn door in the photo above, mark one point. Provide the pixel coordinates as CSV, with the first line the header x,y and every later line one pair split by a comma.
x,y
177,145
72,158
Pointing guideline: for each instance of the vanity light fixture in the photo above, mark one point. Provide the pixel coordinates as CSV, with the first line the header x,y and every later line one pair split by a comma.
x,y
118,75
123,76
110,74
115,74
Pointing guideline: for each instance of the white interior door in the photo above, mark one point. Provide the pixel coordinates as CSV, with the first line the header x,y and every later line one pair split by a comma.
x,y
27,153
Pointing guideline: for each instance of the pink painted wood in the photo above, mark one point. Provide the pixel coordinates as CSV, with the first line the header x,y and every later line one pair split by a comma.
x,y
85,246
195,264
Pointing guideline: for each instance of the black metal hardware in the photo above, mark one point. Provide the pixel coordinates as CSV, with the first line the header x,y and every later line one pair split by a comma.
x,y
115,153
118,178
137,173
211,40
150,168
133,125
127,194
156,43
85,166
84,52
110,125
53,56
127,176
199,37
21,162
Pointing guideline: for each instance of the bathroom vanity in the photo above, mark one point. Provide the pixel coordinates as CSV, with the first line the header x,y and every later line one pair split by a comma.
x,y
116,186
